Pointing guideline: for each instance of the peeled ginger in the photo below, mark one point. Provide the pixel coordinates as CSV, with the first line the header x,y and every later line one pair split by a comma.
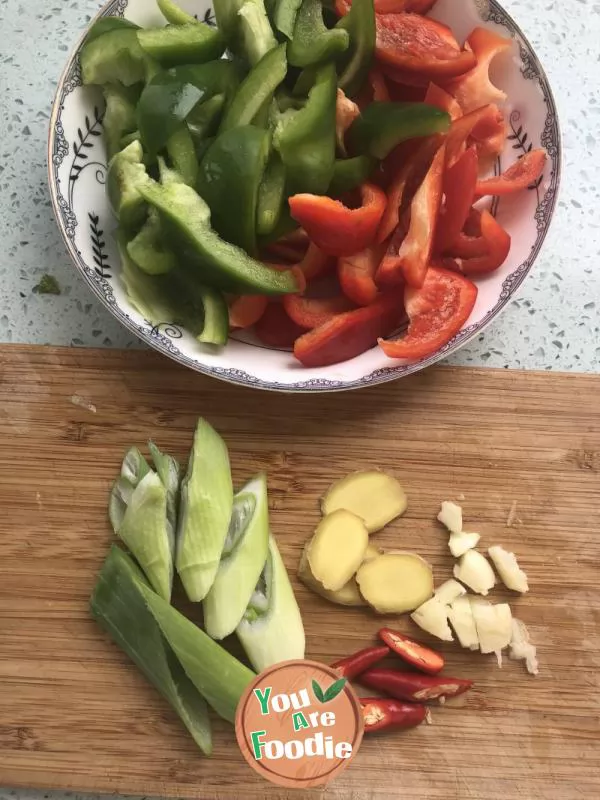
x,y
373,496
493,623
396,582
511,574
337,549
475,571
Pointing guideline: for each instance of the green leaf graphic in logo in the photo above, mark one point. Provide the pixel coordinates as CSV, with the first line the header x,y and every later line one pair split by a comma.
x,y
318,692
334,690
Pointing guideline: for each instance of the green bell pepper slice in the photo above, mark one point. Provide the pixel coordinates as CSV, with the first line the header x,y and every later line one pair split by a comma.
x,y
164,104
305,138
383,126
107,24
350,173
186,218
173,13
285,13
126,177
148,249
246,27
215,312
195,43
203,122
182,153
312,42
359,22
215,77
256,89
229,179
114,57
120,116
271,196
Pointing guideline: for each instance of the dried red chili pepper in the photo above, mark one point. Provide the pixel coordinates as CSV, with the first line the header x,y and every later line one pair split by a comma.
x,y
352,666
382,713
415,653
412,686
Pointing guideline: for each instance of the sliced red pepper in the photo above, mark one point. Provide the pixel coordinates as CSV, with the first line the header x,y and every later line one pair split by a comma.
x,y
348,335
356,275
409,86
276,329
475,89
459,191
310,312
342,7
352,666
436,312
414,687
421,46
414,163
490,133
469,242
381,713
335,228
415,653
461,129
409,262
292,252
497,242
438,97
314,263
528,169
246,310
381,93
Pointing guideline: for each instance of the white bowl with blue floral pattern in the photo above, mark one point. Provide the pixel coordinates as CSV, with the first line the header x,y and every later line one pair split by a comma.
x,y
77,171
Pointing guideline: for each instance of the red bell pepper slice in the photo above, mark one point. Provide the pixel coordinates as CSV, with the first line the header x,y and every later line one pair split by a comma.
x,y
461,129
489,134
415,653
247,309
436,312
475,89
414,687
310,312
356,275
342,7
415,161
381,93
459,191
381,713
497,243
410,260
276,329
283,251
528,169
469,242
351,666
420,46
335,228
350,334
438,97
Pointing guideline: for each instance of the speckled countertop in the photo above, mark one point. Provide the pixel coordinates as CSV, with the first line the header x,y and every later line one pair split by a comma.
x,y
554,324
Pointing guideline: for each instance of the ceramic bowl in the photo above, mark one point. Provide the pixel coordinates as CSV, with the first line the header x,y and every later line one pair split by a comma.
x,y
77,172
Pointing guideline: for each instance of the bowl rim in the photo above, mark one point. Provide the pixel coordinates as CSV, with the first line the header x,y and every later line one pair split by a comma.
x,y
531,68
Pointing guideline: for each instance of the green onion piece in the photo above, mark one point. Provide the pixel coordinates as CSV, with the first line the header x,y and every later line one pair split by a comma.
x,y
133,469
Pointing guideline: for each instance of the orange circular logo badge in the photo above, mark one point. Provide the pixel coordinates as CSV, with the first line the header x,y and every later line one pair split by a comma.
x,y
299,724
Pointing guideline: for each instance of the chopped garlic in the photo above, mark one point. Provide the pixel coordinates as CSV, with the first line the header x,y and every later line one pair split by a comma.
x,y
459,543
432,617
493,623
463,622
521,648
449,591
451,516
475,571
507,567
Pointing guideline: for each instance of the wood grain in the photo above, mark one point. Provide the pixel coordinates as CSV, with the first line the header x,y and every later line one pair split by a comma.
x,y
75,714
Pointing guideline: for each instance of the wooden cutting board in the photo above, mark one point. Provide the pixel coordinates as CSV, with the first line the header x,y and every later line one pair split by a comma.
x,y
75,714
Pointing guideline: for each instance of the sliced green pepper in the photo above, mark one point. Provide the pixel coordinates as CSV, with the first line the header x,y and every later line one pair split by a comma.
x,y
148,249
312,42
382,126
230,174
246,27
182,153
258,86
186,218
173,13
306,138
107,24
215,327
120,116
284,16
126,176
285,224
271,196
113,57
164,104
350,173
195,43
360,24
203,122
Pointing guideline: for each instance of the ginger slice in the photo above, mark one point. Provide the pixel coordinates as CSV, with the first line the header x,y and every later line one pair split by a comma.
x,y
395,582
375,497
